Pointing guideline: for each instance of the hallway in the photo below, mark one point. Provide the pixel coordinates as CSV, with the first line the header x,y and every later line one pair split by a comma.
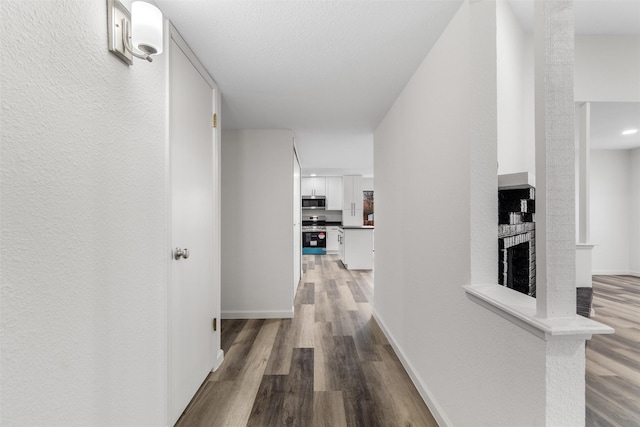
x,y
330,365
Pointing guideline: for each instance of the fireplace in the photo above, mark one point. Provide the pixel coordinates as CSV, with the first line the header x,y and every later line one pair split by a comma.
x,y
516,240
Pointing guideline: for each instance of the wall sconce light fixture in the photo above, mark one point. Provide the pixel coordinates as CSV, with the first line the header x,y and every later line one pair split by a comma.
x,y
138,30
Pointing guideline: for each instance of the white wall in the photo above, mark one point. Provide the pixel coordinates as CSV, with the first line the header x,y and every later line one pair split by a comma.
x,y
607,68
473,367
367,184
515,96
613,228
335,154
257,218
84,242
634,227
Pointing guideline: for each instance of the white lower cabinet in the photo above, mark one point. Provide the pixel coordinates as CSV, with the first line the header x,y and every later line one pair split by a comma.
x,y
333,236
356,248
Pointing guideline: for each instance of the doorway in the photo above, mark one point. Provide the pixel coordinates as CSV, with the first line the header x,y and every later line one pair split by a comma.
x,y
194,287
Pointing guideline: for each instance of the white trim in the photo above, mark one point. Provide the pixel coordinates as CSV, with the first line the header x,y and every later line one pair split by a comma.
x,y
219,360
425,393
168,230
615,273
584,246
520,309
511,181
246,314
171,33
175,35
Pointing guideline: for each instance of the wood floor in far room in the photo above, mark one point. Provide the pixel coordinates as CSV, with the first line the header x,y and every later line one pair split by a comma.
x,y
330,365
613,361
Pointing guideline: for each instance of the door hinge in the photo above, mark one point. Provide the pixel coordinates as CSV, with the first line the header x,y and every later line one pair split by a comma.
x,y
214,120
215,324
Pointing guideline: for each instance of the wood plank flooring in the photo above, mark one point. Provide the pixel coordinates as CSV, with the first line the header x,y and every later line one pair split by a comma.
x,y
330,365
613,361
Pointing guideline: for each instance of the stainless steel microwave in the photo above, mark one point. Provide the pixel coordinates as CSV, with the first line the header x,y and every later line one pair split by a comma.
x,y
314,202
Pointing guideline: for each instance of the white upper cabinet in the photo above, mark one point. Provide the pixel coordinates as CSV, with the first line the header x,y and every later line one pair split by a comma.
x,y
352,200
306,186
334,193
314,186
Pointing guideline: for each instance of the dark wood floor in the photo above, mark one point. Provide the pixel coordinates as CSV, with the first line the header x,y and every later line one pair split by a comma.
x,y
330,365
613,361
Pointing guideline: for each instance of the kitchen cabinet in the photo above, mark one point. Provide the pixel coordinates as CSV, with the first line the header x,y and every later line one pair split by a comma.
x,y
334,193
333,239
352,200
356,247
314,186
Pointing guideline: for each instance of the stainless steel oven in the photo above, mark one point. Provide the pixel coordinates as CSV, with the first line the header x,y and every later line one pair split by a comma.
x,y
314,234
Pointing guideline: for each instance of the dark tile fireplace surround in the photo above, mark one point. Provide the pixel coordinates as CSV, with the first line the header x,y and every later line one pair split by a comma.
x,y
517,240
517,246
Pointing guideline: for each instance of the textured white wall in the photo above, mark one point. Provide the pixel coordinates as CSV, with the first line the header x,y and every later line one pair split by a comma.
x,y
83,223
468,361
257,200
607,68
634,217
611,220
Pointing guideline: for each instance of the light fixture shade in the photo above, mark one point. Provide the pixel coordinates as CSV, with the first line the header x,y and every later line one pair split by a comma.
x,y
146,27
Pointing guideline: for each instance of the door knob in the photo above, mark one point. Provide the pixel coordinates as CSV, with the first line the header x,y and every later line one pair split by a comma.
x,y
184,253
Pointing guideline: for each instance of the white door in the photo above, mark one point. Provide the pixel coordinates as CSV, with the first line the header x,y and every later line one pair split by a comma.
x,y
191,290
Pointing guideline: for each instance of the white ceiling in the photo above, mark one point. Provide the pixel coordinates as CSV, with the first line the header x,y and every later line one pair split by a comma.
x,y
309,65
330,70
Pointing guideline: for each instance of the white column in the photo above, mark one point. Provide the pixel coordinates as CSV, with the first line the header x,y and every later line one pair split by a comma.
x,y
565,383
583,246
555,159
584,160
555,207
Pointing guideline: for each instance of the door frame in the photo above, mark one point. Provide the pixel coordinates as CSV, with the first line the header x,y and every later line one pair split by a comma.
x,y
171,33
297,231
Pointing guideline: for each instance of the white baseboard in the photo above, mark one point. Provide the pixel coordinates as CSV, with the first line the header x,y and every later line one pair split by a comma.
x,y
614,273
634,273
268,314
219,360
425,393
